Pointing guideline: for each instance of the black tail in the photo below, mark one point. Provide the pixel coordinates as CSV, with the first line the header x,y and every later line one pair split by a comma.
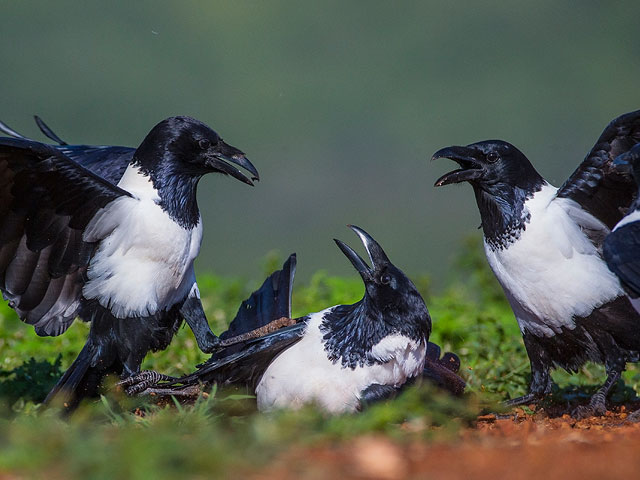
x,y
79,381
443,371
270,302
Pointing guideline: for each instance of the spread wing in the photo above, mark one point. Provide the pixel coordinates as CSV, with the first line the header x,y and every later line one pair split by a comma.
x,y
596,185
108,162
246,365
270,302
46,201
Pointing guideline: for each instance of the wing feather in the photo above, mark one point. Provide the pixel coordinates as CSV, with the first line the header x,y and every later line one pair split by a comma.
x,y
596,185
46,201
247,365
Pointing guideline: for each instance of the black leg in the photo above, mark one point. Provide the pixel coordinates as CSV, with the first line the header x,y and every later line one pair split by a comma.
x,y
540,384
193,313
597,405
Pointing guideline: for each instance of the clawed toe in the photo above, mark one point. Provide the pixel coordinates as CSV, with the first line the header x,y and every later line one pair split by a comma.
x,y
582,411
139,383
634,417
524,400
585,411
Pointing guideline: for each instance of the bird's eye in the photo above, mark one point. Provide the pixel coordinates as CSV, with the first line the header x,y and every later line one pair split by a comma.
x,y
204,144
385,279
492,157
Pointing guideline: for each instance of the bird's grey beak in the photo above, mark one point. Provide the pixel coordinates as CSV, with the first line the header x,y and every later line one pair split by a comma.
x,y
226,154
355,259
374,250
471,169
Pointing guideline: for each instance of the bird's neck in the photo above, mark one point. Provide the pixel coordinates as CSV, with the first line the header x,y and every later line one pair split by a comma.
x,y
351,331
503,213
176,191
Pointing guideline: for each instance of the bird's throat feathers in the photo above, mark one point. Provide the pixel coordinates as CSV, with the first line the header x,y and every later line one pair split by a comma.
x,y
502,212
350,332
176,190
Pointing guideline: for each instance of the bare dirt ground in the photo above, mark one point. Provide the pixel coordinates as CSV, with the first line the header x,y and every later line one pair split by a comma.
x,y
522,447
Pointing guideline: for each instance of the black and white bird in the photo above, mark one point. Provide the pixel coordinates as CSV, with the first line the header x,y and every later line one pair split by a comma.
x,y
622,246
108,234
544,245
340,358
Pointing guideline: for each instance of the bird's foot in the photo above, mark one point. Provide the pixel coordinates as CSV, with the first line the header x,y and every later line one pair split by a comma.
x,y
189,391
596,408
530,397
138,384
634,417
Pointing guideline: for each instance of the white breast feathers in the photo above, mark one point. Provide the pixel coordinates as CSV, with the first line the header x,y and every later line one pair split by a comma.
x,y
303,374
144,261
553,273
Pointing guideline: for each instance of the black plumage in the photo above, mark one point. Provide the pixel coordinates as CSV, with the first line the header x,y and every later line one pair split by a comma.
x,y
622,246
545,247
347,337
80,224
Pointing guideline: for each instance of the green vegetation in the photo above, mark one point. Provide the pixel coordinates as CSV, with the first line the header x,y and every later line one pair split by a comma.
x,y
117,437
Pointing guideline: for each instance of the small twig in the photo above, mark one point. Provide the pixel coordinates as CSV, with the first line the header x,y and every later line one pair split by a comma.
x,y
259,332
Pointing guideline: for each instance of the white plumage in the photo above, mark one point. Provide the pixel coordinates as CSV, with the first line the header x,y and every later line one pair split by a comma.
x,y
553,272
333,387
145,259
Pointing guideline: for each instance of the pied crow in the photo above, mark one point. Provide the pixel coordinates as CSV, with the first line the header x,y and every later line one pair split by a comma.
x,y
109,235
544,245
341,358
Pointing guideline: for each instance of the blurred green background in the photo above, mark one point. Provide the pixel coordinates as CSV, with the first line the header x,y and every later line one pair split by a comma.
x,y
339,104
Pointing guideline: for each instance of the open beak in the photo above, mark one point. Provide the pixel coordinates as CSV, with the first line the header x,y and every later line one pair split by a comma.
x,y
374,250
471,169
225,155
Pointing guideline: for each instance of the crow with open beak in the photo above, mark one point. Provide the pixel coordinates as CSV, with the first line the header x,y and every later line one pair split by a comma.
x,y
341,358
544,245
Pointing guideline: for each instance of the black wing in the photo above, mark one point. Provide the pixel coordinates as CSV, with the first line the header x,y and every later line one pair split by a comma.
x,y
622,253
596,185
46,201
105,161
270,302
246,365
108,162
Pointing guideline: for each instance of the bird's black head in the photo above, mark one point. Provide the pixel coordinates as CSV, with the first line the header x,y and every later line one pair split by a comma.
x,y
492,165
387,288
502,179
185,146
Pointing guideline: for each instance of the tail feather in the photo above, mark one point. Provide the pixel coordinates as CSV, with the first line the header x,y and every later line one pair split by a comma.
x,y
44,128
270,302
77,382
443,371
